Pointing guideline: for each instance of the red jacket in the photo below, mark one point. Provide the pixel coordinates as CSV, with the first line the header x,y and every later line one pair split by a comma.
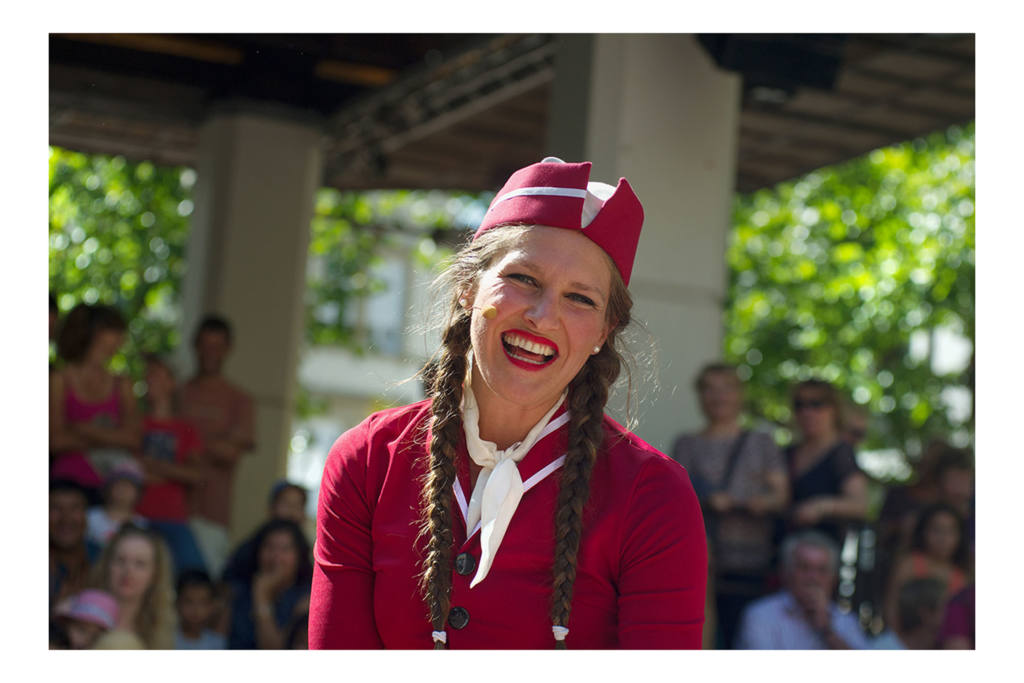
x,y
641,569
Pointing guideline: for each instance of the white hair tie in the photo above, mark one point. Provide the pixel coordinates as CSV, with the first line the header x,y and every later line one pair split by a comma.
x,y
439,636
560,632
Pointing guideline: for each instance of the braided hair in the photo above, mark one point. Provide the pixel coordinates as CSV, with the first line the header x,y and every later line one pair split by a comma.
x,y
587,396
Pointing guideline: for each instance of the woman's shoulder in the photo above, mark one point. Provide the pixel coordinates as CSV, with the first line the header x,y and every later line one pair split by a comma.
x,y
843,459
762,444
626,444
632,457
380,433
643,487
387,424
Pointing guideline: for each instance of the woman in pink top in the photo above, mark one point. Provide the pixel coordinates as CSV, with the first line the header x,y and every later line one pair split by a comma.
x,y
93,417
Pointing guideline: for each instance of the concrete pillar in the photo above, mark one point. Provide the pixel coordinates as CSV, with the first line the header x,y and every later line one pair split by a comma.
x,y
655,110
257,176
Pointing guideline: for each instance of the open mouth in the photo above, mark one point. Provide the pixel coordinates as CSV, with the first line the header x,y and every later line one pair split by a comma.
x,y
528,351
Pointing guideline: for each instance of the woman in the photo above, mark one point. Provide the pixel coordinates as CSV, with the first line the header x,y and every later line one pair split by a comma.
x,y
441,522
744,484
136,570
268,596
828,488
938,549
93,418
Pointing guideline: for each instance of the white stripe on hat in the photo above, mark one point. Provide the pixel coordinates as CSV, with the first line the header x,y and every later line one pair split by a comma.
x,y
549,191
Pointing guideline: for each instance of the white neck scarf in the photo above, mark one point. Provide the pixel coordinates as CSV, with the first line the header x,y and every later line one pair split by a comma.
x,y
499,487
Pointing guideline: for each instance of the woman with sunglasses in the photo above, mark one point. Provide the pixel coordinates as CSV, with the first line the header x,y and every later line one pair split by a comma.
x,y
828,488
506,510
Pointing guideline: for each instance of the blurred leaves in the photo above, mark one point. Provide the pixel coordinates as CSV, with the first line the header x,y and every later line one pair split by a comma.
x,y
350,232
117,236
832,273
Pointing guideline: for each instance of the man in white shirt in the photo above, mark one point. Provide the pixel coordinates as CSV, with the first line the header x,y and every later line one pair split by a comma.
x,y
802,616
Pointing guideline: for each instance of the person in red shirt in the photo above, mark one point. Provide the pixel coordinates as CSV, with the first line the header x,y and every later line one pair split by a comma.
x,y
170,457
507,510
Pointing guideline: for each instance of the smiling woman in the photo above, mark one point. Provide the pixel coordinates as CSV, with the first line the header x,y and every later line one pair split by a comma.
x,y
575,532
135,568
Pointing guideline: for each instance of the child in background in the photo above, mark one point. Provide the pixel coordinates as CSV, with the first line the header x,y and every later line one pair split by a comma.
x,y
87,616
121,490
195,605
170,456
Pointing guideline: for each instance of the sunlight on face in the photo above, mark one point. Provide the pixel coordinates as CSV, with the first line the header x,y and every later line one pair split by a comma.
x,y
551,293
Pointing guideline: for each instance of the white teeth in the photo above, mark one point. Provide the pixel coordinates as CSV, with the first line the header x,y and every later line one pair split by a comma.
x,y
526,360
526,345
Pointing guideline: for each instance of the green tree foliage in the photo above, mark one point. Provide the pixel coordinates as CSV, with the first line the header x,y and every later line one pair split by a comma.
x,y
117,236
831,275
118,233
350,231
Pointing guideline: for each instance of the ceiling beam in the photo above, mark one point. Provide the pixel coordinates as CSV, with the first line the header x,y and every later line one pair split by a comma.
x,y
164,44
431,100
918,45
908,81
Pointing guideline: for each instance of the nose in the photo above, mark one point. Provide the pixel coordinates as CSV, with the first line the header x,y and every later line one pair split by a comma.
x,y
543,311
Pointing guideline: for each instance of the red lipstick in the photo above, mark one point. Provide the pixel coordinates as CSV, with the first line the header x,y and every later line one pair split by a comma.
x,y
516,343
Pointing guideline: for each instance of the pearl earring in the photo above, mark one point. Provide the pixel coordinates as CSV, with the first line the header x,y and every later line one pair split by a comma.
x,y
597,349
463,302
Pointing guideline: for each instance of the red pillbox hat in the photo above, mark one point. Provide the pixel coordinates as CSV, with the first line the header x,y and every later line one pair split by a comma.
x,y
559,194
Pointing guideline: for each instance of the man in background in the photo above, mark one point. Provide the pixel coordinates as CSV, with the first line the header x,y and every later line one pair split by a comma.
x,y
71,553
223,414
802,616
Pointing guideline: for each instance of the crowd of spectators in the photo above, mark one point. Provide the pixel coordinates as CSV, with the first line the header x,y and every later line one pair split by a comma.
x,y
141,497
780,521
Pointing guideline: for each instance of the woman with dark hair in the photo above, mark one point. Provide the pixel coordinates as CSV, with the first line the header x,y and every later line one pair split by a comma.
x,y
506,510
828,488
269,594
94,421
938,549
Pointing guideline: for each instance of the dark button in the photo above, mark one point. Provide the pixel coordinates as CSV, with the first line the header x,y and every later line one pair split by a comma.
x,y
458,618
465,564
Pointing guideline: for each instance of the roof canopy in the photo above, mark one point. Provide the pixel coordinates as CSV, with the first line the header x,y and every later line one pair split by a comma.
x,y
462,111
